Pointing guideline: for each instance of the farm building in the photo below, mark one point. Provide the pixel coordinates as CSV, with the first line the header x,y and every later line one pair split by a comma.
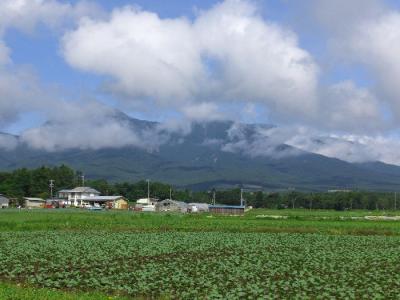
x,y
114,202
227,209
198,207
4,201
34,202
171,205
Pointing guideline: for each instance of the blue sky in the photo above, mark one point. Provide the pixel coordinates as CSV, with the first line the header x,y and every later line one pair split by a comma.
x,y
312,66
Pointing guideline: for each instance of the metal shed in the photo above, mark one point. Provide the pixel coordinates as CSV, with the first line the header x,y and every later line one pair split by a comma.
x,y
227,210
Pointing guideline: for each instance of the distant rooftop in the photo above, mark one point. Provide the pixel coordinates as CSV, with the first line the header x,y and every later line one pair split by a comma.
x,y
103,198
81,189
34,199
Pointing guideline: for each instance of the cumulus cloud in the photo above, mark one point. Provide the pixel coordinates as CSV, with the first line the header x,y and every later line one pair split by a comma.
x,y
226,53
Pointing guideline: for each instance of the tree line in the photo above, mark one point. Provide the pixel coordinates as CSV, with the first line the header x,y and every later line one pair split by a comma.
x,y
35,183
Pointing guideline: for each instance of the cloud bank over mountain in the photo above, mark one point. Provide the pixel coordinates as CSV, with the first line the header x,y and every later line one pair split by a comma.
x,y
225,62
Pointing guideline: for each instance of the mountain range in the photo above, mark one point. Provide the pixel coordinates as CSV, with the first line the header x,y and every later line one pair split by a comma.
x,y
218,154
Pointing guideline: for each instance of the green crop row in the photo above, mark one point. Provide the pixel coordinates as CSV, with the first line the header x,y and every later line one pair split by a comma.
x,y
211,265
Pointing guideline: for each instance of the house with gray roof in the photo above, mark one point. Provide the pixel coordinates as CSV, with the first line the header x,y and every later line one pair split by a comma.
x,y
77,195
4,201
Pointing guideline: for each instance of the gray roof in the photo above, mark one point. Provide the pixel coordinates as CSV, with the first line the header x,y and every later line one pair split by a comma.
x,y
4,199
103,198
81,189
34,199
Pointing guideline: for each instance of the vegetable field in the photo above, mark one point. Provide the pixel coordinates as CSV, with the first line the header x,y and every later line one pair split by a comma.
x,y
158,262
206,265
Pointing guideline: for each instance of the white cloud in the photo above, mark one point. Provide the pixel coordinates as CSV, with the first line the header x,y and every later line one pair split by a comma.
x,y
148,56
198,67
376,44
367,36
25,15
256,141
257,60
346,107
204,111
89,125
19,92
227,53
351,148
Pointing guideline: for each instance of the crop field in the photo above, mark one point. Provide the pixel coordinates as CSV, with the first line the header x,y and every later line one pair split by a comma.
x,y
99,255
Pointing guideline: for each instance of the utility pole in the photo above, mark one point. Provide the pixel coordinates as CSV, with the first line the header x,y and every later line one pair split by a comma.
x,y
83,180
213,197
170,193
51,185
241,197
395,200
148,189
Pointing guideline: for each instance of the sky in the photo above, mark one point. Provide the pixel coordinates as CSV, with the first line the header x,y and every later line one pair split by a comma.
x,y
324,72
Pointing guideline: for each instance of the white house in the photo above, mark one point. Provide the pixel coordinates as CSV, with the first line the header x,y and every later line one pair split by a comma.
x,y
77,195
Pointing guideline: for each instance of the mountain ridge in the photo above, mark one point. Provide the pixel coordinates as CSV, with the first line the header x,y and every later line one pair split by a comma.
x,y
215,154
